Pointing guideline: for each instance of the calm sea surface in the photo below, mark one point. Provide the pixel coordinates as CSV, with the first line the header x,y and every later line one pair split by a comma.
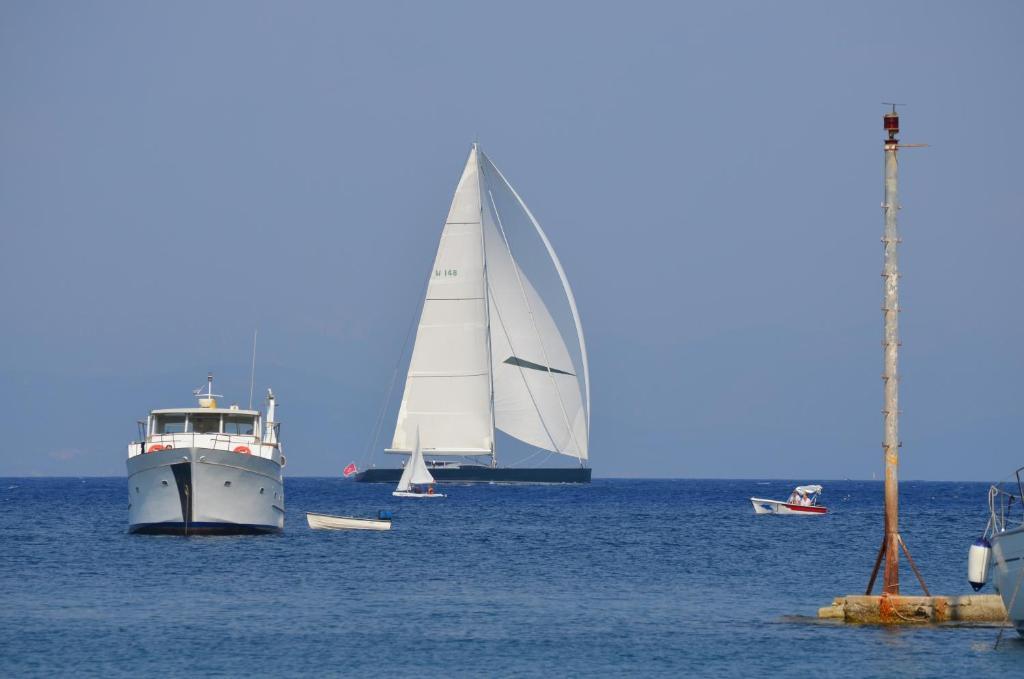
x,y
644,578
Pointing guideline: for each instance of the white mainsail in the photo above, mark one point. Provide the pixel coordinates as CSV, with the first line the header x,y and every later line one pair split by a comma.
x,y
448,388
415,472
515,372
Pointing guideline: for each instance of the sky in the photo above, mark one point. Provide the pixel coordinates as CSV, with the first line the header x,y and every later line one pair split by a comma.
x,y
176,175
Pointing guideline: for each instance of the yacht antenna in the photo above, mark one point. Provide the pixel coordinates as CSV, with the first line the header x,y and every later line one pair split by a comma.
x,y
252,372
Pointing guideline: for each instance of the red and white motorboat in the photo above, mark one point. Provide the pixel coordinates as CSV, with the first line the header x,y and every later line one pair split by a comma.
x,y
802,501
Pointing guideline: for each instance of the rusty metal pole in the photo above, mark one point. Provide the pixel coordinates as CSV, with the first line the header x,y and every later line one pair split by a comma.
x,y
890,377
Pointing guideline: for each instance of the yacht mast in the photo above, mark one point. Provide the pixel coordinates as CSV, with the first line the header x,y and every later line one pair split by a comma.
x,y
487,303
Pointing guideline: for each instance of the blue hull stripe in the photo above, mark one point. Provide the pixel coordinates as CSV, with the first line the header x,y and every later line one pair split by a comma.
x,y
201,528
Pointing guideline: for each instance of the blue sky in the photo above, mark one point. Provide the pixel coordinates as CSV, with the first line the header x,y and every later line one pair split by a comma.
x,y
173,175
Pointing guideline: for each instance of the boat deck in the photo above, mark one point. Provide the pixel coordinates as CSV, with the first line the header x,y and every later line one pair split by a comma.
x,y
479,474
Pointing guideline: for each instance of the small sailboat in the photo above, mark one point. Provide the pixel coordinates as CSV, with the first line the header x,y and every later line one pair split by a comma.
x,y
331,522
416,480
803,501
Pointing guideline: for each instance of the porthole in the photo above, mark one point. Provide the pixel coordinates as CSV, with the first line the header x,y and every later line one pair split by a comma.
x,y
136,489
261,491
227,484
164,482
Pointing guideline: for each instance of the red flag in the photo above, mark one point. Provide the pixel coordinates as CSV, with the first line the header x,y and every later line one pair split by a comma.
x,y
350,469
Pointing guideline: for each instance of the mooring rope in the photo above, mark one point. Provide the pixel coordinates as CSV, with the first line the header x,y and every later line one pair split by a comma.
x,y
922,621
1009,608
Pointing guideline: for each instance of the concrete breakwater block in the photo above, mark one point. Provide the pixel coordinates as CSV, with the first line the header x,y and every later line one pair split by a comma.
x,y
908,610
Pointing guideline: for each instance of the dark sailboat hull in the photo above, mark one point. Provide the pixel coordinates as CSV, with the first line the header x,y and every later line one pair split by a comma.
x,y
477,474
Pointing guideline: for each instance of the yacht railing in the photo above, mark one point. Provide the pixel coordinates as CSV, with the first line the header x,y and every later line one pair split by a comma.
x,y
213,440
1006,504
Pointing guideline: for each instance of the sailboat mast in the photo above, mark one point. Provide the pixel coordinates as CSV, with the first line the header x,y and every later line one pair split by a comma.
x,y
487,304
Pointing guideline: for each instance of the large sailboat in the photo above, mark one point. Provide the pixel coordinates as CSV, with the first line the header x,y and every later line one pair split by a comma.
x,y
499,353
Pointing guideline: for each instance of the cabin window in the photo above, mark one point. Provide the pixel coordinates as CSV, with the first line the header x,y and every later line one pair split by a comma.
x,y
239,424
170,424
204,424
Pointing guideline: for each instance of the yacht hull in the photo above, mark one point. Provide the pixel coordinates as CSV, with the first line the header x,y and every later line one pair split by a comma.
x,y
200,491
1008,573
479,474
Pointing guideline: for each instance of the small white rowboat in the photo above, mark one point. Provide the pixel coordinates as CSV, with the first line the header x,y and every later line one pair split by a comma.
x,y
329,522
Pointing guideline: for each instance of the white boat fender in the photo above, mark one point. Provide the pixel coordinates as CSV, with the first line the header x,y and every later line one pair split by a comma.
x,y
978,558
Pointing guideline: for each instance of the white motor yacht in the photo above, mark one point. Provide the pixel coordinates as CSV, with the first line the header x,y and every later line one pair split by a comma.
x,y
207,470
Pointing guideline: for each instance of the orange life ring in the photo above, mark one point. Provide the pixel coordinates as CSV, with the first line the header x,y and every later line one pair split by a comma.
x,y
156,448
244,450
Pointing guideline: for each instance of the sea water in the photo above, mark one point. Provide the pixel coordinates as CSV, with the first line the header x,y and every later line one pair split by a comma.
x,y
636,577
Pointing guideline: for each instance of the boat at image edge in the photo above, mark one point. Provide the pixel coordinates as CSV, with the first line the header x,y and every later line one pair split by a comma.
x,y
488,354
999,554
207,470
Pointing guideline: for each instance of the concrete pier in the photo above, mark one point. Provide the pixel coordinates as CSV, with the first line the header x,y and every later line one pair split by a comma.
x,y
908,610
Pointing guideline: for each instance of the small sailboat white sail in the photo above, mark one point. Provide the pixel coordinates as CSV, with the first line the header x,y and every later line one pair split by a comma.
x,y
416,480
499,346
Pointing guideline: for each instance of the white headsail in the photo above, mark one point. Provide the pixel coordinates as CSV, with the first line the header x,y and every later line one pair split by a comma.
x,y
489,353
537,395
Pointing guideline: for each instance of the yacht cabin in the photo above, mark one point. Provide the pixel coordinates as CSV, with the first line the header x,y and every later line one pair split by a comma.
x,y
230,429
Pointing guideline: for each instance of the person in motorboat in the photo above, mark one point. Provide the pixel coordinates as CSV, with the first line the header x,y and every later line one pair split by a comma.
x,y
803,500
